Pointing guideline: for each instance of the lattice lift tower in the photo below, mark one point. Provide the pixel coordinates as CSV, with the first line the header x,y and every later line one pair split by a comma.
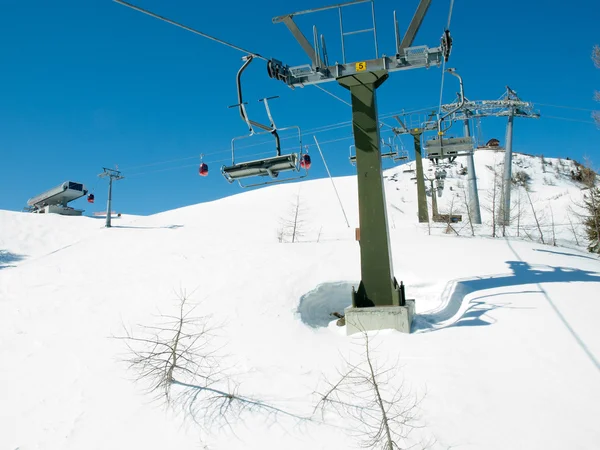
x,y
511,106
443,148
112,174
379,302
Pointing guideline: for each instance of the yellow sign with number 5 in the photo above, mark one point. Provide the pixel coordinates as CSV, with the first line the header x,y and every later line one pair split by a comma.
x,y
360,66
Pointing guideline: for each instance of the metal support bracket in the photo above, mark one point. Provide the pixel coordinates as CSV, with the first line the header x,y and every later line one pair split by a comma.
x,y
415,24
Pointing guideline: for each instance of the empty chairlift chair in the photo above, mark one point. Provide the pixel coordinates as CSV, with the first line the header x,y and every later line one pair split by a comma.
x,y
442,148
270,167
449,148
394,153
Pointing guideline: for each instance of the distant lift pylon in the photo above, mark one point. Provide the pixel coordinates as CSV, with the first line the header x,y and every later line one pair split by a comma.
x,y
273,166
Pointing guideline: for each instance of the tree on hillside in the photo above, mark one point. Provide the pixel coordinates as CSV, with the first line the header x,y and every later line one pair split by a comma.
x,y
493,195
467,206
521,181
596,59
591,205
179,361
591,202
588,209
377,411
293,226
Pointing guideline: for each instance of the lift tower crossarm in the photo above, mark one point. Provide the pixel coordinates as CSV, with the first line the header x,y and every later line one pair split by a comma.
x,y
288,20
322,8
412,58
415,24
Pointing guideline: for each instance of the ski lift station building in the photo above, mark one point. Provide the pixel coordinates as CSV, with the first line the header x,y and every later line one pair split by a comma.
x,y
56,200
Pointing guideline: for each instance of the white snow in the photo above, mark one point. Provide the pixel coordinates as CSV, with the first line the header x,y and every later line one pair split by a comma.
x,y
504,352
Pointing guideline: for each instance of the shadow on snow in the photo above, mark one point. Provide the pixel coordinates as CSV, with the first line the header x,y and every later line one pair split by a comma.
x,y
6,258
522,274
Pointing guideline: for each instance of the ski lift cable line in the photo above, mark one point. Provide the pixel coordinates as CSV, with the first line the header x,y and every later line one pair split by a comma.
x,y
450,14
343,101
192,165
219,152
321,129
229,159
442,86
591,122
172,22
564,107
444,62
332,182
332,94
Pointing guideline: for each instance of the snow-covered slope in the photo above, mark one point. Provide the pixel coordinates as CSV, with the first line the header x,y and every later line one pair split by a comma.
x,y
504,351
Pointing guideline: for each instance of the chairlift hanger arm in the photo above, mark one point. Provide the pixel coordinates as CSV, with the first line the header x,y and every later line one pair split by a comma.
x,y
240,104
271,129
461,96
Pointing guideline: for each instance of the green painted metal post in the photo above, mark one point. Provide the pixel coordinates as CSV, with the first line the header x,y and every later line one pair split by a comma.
x,y
421,197
378,287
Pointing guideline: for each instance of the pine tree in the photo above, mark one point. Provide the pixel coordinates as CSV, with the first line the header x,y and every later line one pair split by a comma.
x,y
592,221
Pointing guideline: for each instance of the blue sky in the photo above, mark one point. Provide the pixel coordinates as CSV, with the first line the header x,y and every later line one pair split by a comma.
x,y
91,84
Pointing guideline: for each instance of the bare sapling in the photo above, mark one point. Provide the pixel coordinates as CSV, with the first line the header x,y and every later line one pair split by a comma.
x,y
371,400
180,363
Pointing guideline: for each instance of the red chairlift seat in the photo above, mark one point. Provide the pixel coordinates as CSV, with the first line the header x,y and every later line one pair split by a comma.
x,y
90,198
305,161
203,170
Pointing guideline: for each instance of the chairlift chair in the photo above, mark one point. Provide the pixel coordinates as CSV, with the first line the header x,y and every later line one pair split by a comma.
x,y
395,154
268,167
352,157
90,198
442,148
401,152
449,148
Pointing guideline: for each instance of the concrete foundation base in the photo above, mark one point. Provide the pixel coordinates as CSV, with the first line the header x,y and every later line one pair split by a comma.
x,y
380,318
